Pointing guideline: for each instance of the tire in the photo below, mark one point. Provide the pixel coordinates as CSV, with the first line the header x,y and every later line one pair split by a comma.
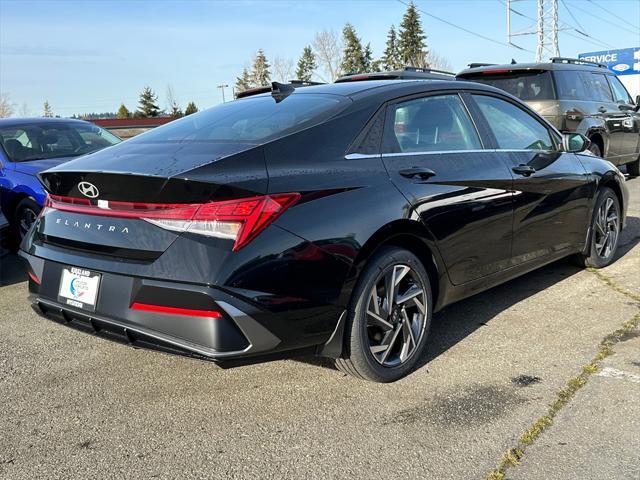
x,y
595,149
24,215
602,253
403,332
633,168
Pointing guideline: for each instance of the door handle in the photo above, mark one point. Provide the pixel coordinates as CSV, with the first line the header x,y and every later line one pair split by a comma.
x,y
524,170
602,109
417,173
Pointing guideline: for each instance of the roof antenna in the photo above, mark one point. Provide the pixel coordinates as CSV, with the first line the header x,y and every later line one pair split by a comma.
x,y
513,61
280,91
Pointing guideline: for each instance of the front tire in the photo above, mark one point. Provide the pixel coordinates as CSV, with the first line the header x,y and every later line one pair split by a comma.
x,y
605,231
595,149
24,217
389,318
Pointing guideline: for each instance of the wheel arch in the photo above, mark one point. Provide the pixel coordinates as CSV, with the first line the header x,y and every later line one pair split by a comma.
x,y
412,236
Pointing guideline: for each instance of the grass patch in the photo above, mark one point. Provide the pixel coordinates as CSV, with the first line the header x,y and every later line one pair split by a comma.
x,y
512,457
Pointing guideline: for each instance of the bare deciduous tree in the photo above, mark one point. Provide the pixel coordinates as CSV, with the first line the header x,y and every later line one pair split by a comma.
x,y
327,47
6,106
439,62
24,110
282,69
173,108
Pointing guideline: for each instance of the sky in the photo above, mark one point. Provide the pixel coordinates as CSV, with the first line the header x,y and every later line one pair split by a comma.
x,y
89,56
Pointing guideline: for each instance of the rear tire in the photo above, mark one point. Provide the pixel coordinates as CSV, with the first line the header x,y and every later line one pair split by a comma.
x,y
605,231
633,168
385,339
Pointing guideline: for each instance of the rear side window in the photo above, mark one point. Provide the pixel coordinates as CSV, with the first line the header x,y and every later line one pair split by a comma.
x,y
587,86
527,86
597,85
437,123
252,120
513,128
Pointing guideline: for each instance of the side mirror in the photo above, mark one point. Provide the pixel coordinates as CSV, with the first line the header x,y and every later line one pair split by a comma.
x,y
575,142
637,103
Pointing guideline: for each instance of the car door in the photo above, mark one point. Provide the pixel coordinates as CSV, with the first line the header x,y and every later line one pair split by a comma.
x,y
462,192
605,108
551,188
630,119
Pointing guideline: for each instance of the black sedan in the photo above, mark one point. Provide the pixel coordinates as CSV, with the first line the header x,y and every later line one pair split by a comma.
x,y
331,219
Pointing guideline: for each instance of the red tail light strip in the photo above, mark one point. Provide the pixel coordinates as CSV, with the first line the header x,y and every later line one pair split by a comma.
x,y
188,312
33,277
173,211
241,220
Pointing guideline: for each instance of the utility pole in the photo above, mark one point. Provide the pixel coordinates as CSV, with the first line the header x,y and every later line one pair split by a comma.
x,y
222,87
546,28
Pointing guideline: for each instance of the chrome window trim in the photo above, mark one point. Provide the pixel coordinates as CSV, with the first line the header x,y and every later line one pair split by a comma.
x,y
441,152
361,156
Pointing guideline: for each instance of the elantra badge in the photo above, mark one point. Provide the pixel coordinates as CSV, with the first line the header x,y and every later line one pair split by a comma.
x,y
88,189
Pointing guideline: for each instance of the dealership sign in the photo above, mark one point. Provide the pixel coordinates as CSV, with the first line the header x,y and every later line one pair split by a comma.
x,y
625,61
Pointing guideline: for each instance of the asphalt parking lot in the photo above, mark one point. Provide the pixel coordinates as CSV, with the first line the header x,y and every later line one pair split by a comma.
x,y
509,370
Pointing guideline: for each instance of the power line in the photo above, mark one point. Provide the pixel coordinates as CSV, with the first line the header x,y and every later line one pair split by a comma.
x,y
584,36
614,15
572,15
488,39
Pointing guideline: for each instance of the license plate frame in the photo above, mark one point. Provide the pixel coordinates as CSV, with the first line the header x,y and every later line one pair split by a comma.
x,y
79,288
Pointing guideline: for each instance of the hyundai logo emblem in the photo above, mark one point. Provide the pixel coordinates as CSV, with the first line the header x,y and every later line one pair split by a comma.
x,y
88,189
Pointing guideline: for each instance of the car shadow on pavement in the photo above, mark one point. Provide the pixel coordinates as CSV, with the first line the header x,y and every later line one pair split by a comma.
x,y
456,322
12,270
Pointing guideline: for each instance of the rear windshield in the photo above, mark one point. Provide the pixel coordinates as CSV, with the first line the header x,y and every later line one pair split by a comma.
x,y
44,140
527,86
253,120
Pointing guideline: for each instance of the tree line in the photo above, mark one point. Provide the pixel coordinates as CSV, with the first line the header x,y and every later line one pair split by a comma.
x,y
331,56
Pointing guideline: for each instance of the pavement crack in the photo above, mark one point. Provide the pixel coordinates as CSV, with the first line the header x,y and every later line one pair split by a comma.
x,y
513,456
609,282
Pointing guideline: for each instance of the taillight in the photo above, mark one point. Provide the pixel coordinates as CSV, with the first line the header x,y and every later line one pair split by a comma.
x,y
240,220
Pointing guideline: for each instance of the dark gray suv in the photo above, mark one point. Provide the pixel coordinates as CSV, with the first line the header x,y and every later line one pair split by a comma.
x,y
575,96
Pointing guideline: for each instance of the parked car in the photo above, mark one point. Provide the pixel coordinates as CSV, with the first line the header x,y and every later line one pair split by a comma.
x,y
330,219
575,96
28,146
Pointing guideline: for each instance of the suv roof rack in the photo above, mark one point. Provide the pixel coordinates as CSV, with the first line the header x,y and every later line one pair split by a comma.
x,y
576,61
276,88
480,64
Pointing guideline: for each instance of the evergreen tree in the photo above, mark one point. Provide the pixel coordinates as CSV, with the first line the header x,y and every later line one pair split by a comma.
x,y
353,55
260,75
123,112
367,59
47,112
306,65
243,82
412,45
191,108
391,57
148,104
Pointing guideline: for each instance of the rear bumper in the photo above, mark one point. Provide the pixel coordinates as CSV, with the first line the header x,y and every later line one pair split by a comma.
x,y
236,334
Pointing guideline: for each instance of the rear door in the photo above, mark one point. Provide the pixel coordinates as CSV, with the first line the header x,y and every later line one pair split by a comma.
x,y
435,156
551,188
597,88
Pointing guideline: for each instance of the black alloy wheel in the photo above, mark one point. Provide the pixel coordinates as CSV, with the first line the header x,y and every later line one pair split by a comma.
x,y
605,230
388,325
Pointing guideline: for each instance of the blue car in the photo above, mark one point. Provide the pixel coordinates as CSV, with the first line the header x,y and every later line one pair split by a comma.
x,y
29,146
